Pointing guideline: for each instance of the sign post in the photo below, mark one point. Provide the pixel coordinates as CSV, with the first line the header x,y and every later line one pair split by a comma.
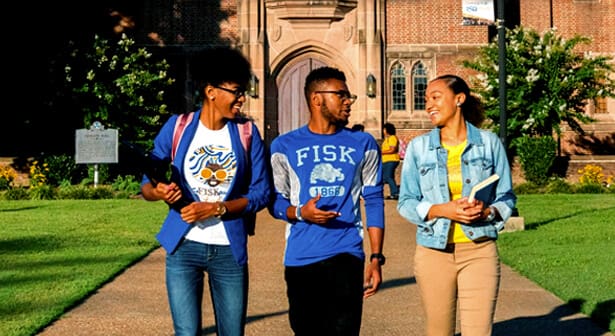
x,y
96,145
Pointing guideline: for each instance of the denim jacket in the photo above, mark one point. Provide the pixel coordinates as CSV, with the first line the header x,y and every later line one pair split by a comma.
x,y
424,182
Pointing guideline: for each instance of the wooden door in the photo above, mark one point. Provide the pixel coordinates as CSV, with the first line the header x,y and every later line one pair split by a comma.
x,y
292,107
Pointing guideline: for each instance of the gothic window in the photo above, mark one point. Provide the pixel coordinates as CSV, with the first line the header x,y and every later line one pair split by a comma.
x,y
398,87
419,85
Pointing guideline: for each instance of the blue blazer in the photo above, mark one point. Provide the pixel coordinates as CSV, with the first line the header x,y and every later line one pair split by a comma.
x,y
253,182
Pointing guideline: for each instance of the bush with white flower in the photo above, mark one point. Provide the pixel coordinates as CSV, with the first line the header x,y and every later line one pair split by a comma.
x,y
549,82
121,85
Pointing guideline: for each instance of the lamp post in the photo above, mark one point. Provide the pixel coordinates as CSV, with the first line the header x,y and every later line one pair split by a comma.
x,y
502,68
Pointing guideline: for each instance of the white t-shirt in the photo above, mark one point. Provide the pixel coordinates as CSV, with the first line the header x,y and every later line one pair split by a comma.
x,y
210,167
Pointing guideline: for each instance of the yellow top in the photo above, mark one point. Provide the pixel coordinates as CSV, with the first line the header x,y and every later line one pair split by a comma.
x,y
388,143
455,183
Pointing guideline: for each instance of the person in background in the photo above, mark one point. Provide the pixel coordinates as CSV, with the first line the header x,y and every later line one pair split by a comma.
x,y
358,127
225,185
456,261
390,159
321,171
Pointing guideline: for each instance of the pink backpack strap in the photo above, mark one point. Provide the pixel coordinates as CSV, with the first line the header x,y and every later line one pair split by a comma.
x,y
245,134
178,131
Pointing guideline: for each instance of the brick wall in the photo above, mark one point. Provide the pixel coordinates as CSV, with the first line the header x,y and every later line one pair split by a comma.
x,y
429,22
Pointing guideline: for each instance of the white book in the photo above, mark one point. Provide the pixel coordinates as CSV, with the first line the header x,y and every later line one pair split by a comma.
x,y
481,190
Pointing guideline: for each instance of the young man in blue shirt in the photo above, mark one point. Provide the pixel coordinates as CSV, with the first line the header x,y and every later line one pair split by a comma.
x,y
321,171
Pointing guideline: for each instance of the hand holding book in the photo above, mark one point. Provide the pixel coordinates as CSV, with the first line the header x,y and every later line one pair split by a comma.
x,y
482,189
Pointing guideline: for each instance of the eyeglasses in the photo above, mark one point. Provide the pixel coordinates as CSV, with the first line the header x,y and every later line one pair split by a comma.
x,y
343,95
238,92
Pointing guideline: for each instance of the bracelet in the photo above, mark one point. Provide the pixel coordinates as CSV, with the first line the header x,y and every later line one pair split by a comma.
x,y
298,213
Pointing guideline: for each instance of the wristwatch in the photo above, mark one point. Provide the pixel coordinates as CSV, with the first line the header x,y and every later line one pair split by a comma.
x,y
491,216
220,210
379,256
298,213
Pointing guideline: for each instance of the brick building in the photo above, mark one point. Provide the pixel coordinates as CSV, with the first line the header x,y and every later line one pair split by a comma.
x,y
389,50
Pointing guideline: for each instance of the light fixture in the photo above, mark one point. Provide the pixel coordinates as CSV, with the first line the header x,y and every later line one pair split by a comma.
x,y
371,86
253,86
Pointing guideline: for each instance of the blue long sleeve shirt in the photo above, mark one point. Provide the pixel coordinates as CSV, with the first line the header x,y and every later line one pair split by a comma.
x,y
343,168
253,182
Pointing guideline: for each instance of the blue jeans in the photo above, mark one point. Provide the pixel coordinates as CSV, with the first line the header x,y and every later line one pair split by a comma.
x,y
228,283
388,176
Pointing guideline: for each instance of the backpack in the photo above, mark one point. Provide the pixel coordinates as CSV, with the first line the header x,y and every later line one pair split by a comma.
x,y
401,148
245,135
245,132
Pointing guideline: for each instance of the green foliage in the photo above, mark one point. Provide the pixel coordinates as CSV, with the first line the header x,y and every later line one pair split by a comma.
x,y
526,188
548,82
7,176
567,248
63,168
591,188
102,192
127,184
76,192
42,192
14,194
559,186
536,155
120,85
56,253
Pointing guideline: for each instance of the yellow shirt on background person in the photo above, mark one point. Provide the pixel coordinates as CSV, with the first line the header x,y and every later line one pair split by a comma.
x,y
455,183
388,143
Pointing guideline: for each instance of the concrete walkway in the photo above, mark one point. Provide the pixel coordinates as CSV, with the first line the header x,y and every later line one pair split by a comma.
x,y
135,303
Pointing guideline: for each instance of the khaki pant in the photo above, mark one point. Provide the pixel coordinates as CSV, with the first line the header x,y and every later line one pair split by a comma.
x,y
465,274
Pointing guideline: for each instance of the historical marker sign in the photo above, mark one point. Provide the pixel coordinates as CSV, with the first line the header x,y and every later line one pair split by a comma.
x,y
96,145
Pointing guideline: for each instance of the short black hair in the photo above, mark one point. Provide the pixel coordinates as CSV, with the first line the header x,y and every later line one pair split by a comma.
x,y
218,65
320,75
390,128
358,127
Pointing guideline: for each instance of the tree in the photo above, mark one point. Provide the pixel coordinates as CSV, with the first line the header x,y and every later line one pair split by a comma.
x,y
548,82
121,86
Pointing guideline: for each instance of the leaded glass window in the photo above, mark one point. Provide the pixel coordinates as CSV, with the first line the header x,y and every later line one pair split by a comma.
x,y
419,83
398,87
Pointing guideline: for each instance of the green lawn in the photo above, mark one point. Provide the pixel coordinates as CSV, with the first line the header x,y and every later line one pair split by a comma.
x,y
54,253
568,248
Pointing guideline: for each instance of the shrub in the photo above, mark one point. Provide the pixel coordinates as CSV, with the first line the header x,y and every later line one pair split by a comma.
x,y
38,173
42,192
14,194
127,184
536,155
527,188
559,185
7,176
63,168
102,192
79,191
590,188
592,174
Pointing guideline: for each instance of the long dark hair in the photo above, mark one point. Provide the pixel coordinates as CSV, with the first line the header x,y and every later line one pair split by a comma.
x,y
472,108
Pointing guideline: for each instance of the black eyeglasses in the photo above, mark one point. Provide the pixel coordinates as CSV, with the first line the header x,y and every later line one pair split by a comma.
x,y
343,95
238,92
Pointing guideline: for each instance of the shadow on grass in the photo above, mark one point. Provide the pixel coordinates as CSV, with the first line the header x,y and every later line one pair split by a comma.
x,y
558,322
535,225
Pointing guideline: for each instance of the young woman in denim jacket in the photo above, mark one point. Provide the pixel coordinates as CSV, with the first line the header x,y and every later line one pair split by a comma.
x,y
456,260
222,184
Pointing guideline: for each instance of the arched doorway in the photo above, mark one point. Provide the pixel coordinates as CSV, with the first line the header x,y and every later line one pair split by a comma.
x,y
292,111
